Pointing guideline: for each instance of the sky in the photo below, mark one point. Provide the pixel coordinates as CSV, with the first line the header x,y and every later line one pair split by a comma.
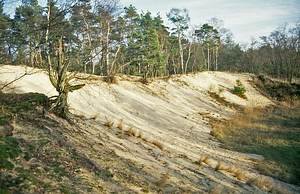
x,y
245,18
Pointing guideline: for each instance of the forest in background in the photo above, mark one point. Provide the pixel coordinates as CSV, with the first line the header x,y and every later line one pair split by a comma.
x,y
103,38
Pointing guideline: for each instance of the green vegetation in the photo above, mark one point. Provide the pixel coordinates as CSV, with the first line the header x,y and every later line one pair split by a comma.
x,y
278,90
273,133
17,104
124,40
9,149
68,37
239,89
21,166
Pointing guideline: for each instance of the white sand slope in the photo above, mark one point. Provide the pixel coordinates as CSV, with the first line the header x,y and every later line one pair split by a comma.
x,y
174,112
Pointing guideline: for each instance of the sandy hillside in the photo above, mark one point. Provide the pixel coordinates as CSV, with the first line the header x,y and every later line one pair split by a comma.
x,y
165,128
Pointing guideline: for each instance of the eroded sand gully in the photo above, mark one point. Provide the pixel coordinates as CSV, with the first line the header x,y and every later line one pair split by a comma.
x,y
169,127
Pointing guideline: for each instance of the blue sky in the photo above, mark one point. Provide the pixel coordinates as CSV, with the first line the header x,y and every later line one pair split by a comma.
x,y
245,18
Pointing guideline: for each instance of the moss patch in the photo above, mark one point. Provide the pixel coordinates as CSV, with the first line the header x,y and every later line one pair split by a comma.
x,y
9,149
16,103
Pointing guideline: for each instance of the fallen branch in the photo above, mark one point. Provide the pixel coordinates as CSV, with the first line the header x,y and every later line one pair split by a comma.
x,y
11,82
16,79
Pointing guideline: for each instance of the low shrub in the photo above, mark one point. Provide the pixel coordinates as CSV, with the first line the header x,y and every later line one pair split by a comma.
x,y
239,89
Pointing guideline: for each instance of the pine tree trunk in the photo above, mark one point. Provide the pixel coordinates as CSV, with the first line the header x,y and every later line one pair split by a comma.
x,y
217,54
93,68
107,50
181,53
208,58
188,59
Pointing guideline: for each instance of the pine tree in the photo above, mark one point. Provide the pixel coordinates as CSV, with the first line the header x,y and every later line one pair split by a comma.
x,y
28,30
133,40
83,21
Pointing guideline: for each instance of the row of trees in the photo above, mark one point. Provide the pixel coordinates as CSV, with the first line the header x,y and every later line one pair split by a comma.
x,y
276,55
104,39
100,37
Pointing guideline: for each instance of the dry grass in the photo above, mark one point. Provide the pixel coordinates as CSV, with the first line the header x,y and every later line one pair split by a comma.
x,y
261,182
110,79
144,138
279,189
163,180
217,189
240,175
108,123
134,132
204,159
140,135
268,185
222,166
243,120
157,144
120,125
144,81
94,117
273,133
212,88
130,132
221,100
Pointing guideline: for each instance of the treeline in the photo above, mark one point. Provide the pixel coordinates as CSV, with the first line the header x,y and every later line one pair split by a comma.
x,y
276,55
101,37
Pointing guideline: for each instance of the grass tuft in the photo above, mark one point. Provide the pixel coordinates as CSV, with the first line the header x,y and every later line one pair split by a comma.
x,y
157,144
110,79
163,180
261,182
108,123
221,166
120,125
218,189
221,100
240,175
131,132
204,159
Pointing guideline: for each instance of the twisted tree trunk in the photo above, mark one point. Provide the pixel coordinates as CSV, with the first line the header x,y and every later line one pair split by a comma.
x,y
60,107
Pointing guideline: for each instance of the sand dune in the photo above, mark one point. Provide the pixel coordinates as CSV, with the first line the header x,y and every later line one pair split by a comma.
x,y
169,120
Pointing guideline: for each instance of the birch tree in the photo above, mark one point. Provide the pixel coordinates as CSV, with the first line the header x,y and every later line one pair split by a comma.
x,y
180,19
